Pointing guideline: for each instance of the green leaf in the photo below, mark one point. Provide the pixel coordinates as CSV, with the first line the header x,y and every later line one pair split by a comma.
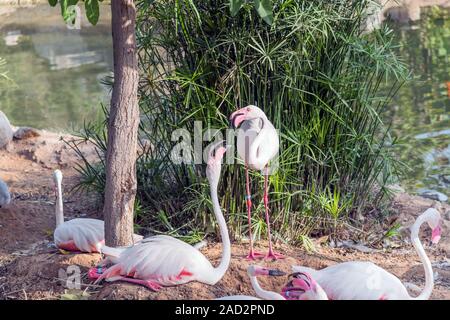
x,y
235,5
53,2
74,295
264,8
92,11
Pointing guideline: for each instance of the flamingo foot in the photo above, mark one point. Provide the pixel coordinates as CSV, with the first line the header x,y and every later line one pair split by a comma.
x,y
271,255
253,255
96,272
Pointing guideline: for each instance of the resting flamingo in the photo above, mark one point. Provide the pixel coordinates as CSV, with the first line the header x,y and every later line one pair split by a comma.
x,y
302,287
80,234
165,261
257,144
362,280
5,197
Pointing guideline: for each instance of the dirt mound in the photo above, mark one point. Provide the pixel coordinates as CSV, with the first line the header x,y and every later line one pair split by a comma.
x,y
40,276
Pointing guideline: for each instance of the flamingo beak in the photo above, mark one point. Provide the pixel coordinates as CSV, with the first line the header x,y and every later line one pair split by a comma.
x,y
292,292
237,118
220,152
260,271
217,150
436,235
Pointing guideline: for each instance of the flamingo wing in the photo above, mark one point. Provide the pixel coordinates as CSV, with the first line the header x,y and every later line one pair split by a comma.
x,y
269,146
162,259
84,234
257,145
357,280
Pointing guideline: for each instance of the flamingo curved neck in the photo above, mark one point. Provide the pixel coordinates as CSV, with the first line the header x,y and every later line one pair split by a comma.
x,y
59,205
254,157
226,244
264,294
429,278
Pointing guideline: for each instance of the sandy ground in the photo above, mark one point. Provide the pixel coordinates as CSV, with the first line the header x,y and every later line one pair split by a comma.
x,y
31,268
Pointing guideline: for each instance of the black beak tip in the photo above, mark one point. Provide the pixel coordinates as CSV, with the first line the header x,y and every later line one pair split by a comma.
x,y
276,273
232,123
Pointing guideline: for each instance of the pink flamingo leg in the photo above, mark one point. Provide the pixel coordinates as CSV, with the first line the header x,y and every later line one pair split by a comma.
x,y
271,254
252,254
152,285
96,272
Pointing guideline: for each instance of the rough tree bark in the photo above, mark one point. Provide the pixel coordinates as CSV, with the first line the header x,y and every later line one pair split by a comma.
x,y
120,190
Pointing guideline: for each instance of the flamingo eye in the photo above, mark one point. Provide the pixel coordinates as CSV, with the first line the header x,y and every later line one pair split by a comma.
x,y
249,109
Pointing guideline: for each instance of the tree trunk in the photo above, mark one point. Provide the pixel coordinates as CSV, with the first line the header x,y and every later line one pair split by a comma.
x,y
120,190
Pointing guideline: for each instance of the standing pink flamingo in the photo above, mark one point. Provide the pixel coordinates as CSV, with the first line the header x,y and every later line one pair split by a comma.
x,y
165,261
81,234
360,280
257,144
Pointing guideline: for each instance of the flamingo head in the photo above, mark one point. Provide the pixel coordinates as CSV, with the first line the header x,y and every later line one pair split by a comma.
x,y
433,217
249,112
57,176
436,235
215,156
254,270
303,287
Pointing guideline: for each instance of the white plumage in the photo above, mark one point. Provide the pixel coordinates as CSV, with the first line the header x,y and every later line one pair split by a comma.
x,y
361,280
86,235
166,260
257,139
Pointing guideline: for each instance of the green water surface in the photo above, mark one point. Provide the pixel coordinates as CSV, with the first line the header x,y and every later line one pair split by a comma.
x,y
56,69
421,110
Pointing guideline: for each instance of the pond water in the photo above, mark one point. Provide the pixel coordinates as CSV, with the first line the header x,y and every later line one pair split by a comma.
x,y
56,69
421,110
58,72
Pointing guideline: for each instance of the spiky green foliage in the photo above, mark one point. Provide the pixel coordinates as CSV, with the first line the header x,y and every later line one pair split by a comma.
x,y
315,74
3,71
